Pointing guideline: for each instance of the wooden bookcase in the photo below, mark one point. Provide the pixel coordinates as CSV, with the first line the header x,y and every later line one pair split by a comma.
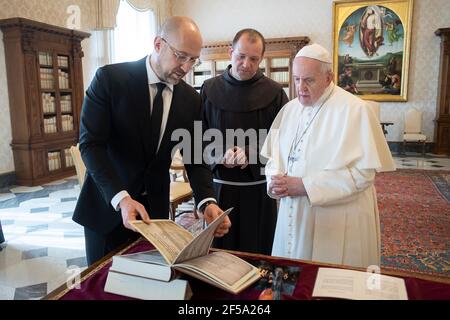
x,y
45,86
442,131
276,64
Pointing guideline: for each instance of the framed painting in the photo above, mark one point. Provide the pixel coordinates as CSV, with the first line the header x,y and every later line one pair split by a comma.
x,y
371,48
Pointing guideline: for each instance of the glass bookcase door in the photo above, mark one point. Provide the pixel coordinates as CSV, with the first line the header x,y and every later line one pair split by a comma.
x,y
56,93
48,92
59,159
54,160
279,71
201,73
221,66
65,93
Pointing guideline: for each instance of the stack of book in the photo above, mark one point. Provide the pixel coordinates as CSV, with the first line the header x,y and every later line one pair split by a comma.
x,y
153,274
145,275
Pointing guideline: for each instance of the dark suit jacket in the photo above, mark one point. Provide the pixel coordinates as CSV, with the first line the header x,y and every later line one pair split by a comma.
x,y
115,146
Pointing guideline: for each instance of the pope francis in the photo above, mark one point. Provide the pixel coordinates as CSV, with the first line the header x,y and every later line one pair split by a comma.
x,y
323,151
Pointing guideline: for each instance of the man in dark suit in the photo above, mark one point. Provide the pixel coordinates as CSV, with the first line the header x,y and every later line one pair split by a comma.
x,y
128,116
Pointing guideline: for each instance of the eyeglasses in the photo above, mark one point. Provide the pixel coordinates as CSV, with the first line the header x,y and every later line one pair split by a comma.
x,y
181,57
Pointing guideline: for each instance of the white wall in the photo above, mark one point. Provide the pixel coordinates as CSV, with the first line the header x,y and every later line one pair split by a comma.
x,y
219,20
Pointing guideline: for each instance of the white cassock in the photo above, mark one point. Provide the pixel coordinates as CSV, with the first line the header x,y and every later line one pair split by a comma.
x,y
336,147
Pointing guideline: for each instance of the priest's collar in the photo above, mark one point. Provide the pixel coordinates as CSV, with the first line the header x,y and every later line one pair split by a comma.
x,y
230,79
326,94
152,77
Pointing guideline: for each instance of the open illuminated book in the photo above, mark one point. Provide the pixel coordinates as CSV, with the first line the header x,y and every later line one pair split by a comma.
x,y
190,255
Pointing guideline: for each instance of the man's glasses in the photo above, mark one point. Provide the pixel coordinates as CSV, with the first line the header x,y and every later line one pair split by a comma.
x,y
181,57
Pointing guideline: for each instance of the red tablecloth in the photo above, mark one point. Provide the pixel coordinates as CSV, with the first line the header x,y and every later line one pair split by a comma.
x,y
92,286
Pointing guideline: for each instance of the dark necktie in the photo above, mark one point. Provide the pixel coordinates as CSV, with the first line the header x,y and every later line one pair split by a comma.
x,y
156,118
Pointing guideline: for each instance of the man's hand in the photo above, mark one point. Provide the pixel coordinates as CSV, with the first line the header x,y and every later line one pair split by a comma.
x,y
284,186
212,211
235,157
130,210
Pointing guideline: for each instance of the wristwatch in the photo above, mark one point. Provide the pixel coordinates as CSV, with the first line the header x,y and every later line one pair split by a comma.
x,y
204,205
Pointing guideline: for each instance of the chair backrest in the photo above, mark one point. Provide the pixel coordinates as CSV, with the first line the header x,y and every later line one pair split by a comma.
x,y
79,164
413,121
177,166
375,107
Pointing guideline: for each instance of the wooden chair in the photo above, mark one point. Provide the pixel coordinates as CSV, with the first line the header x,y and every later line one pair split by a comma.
x,y
80,168
180,189
413,129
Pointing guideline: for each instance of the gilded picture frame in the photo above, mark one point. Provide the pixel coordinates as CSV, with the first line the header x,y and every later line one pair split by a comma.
x,y
371,48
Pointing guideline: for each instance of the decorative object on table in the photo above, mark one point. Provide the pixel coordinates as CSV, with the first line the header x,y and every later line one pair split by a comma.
x,y
276,281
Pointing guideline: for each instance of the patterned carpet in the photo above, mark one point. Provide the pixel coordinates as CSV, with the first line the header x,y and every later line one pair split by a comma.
x,y
415,220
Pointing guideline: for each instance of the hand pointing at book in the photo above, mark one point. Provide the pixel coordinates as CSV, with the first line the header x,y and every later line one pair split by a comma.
x,y
212,211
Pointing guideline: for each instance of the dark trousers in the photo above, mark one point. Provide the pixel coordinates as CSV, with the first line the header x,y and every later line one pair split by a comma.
x,y
253,218
98,246
2,237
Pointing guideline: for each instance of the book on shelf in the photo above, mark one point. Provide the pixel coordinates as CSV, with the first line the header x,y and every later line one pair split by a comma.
x,y
190,255
358,285
147,289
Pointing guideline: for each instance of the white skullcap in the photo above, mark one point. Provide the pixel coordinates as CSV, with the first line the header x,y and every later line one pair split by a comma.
x,y
315,51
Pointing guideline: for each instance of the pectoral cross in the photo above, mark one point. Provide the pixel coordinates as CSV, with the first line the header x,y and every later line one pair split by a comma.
x,y
291,160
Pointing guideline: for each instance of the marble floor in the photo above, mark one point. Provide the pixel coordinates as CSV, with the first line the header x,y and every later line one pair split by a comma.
x,y
417,161
44,248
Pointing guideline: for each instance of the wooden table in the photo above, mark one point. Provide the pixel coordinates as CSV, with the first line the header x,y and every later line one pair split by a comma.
x,y
92,280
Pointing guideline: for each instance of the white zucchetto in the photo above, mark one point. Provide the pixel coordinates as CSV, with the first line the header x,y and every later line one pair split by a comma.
x,y
315,51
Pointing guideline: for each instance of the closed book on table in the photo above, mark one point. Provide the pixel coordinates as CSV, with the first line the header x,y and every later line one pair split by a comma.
x,y
147,289
148,264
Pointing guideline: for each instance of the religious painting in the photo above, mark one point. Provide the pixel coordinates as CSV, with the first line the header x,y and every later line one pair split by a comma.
x,y
371,44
